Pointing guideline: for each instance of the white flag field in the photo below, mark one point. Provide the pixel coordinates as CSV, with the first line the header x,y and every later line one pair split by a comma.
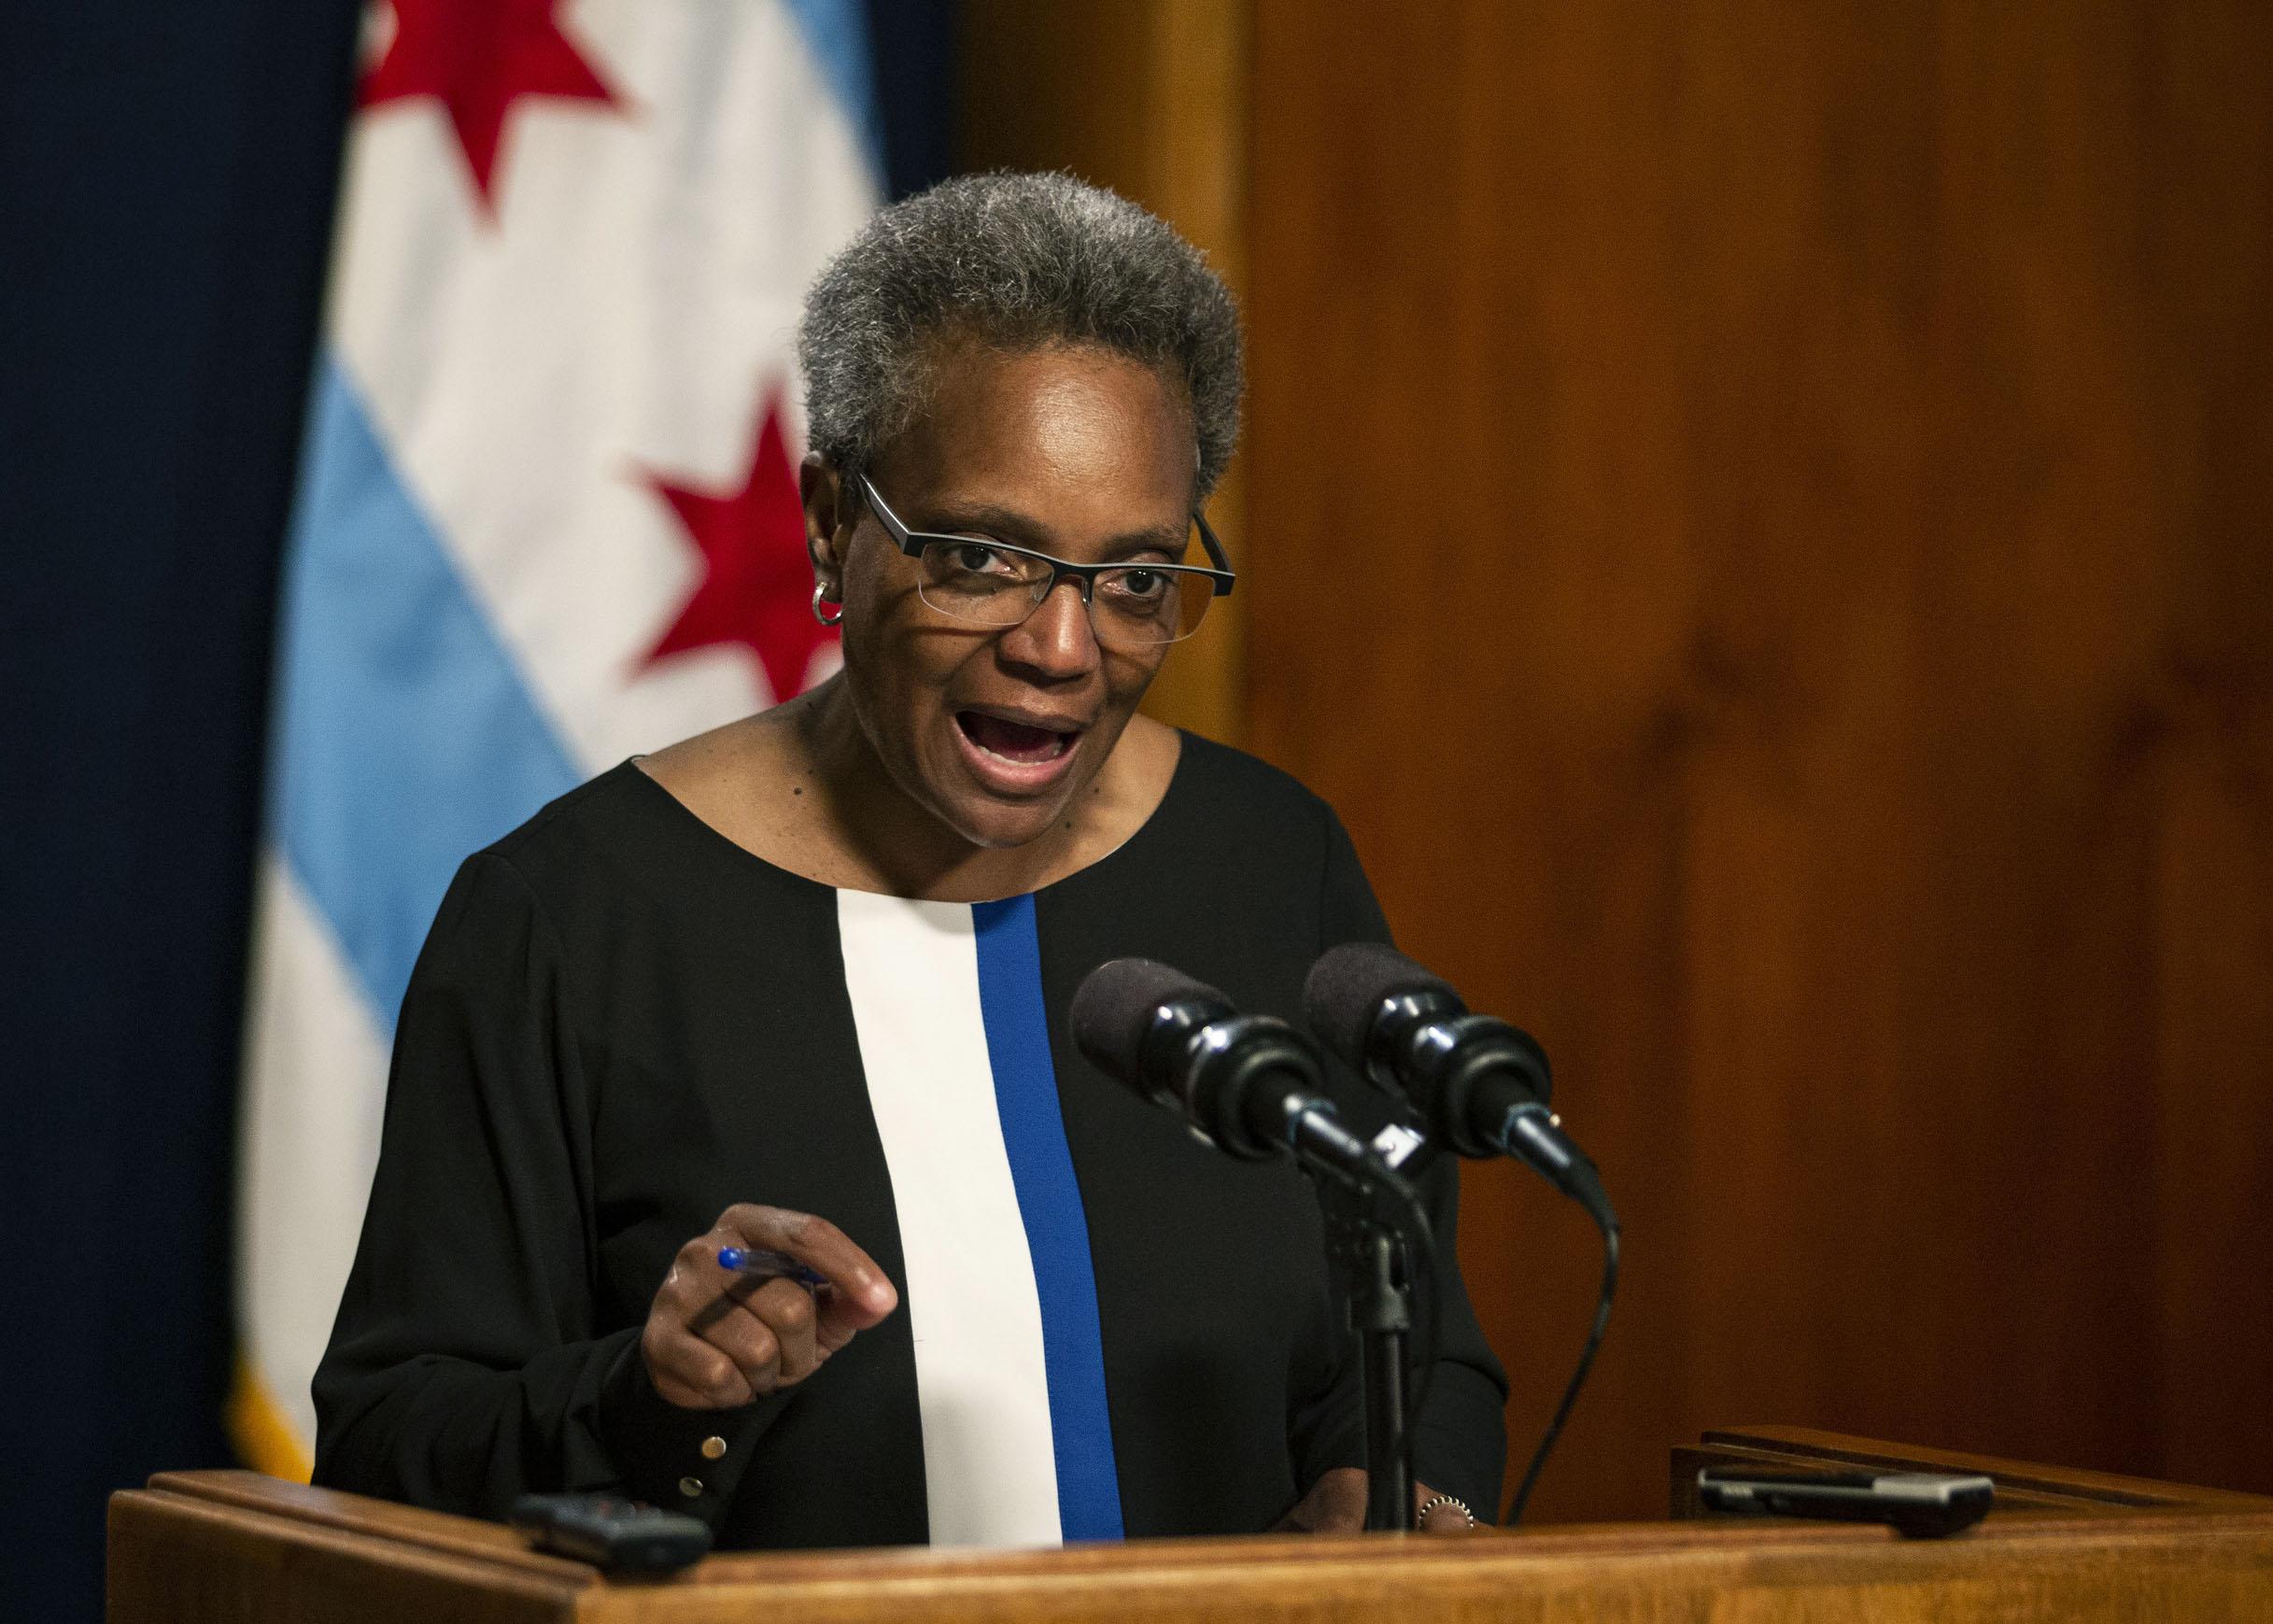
x,y
546,520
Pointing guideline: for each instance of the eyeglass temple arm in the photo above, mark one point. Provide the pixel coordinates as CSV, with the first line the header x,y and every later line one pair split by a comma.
x,y
1216,554
909,542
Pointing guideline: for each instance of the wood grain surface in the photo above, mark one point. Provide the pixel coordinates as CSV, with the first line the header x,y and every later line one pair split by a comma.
x,y
1761,520
187,1559
210,1547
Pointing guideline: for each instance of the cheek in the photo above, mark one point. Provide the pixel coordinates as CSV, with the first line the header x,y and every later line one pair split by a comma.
x,y
869,591
875,675
897,673
878,648
1126,679
1128,675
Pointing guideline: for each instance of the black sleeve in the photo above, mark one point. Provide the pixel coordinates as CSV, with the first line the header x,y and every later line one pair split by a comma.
x,y
1459,1441
467,1365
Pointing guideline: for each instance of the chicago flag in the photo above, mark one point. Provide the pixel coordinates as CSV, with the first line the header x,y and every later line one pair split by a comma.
x,y
548,518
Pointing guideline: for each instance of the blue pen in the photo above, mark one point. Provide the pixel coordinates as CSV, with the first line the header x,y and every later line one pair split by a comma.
x,y
776,1265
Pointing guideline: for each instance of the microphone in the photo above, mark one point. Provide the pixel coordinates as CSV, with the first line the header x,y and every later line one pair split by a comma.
x,y
1481,1085
1246,1085
1249,1084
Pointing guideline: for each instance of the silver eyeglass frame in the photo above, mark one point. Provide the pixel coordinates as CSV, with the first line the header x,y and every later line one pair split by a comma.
x,y
911,542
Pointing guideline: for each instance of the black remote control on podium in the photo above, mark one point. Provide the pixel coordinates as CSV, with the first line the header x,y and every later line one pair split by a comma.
x,y
621,1535
1922,1505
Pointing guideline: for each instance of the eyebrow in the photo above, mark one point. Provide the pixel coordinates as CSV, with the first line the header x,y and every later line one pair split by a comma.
x,y
1008,524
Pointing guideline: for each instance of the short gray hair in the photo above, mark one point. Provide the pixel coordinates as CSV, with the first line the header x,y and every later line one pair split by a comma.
x,y
1016,262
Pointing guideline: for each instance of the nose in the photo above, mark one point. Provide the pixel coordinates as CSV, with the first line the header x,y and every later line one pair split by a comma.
x,y
1056,642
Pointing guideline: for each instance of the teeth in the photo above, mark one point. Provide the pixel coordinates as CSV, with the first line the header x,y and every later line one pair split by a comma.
x,y
1055,750
1058,747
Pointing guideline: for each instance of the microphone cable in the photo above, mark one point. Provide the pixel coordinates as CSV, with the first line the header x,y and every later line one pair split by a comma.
x,y
1608,1221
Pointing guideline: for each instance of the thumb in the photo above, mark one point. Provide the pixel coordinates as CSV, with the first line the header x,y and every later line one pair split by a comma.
x,y
846,1313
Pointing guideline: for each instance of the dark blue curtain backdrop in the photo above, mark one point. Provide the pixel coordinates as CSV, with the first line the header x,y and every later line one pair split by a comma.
x,y
166,183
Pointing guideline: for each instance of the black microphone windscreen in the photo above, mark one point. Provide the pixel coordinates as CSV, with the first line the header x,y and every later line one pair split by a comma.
x,y
1346,987
1114,1008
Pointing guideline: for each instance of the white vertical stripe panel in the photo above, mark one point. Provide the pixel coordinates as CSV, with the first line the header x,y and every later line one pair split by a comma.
x,y
989,1464
308,1141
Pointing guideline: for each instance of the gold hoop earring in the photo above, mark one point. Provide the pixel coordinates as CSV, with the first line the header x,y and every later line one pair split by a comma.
x,y
819,596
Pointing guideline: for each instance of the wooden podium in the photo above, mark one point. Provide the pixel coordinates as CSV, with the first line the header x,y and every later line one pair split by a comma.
x,y
200,1547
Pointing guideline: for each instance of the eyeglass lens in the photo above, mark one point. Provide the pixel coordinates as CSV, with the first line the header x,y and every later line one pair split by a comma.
x,y
1137,603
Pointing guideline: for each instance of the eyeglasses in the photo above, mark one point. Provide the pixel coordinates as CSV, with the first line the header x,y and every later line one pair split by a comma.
x,y
991,583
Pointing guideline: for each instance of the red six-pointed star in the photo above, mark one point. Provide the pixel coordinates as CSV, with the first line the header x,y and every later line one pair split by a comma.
x,y
477,57
756,586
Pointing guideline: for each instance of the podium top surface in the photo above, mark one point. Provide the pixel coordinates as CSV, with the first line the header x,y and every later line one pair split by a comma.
x,y
233,1545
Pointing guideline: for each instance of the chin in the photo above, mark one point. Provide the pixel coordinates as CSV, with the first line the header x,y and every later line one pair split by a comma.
x,y
999,827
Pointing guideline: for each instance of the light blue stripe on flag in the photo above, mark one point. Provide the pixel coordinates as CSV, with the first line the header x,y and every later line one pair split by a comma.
x,y
838,33
406,737
1050,1201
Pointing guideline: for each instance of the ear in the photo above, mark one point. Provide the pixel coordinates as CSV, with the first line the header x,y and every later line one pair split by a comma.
x,y
828,524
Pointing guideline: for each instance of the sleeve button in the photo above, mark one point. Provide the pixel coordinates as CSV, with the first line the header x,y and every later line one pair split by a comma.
x,y
690,1486
713,1448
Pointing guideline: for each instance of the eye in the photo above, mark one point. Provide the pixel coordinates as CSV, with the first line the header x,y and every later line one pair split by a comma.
x,y
1139,587
964,558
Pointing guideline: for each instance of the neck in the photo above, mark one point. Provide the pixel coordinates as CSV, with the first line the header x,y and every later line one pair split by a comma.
x,y
903,844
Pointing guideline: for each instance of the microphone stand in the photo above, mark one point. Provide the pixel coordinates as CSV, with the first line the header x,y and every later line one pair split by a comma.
x,y
1376,1229
1380,1302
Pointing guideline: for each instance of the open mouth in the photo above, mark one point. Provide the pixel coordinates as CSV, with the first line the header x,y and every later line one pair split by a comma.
x,y
1016,742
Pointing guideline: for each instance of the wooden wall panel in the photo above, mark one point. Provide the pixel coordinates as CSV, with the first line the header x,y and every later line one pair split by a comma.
x,y
1761,521
1149,97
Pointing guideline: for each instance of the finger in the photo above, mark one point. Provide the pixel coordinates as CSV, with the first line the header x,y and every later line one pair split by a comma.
x,y
697,1288
1449,1517
862,1296
745,1339
1335,1505
694,1292
690,1372
834,1323
787,1310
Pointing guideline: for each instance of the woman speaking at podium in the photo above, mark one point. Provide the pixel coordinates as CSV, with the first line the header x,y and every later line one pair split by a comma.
x,y
800,986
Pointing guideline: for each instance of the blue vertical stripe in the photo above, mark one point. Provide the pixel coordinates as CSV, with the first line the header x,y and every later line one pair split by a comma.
x,y
1049,1203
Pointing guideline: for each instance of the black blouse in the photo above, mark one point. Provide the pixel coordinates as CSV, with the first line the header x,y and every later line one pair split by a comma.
x,y
622,1022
